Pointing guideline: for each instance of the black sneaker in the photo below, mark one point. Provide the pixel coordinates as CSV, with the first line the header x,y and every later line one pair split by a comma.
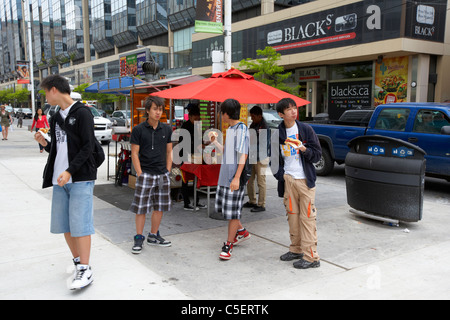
x,y
249,205
289,256
258,209
138,240
303,264
201,206
157,240
190,208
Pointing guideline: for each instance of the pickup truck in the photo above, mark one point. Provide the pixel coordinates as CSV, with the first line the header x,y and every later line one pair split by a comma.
x,y
426,125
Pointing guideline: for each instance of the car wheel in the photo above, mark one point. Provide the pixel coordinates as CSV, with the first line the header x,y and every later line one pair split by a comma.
x,y
325,165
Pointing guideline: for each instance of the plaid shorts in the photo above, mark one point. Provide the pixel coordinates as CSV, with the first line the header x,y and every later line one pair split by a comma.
x,y
229,203
152,192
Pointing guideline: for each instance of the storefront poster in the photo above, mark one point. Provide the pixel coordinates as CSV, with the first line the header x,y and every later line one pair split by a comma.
x,y
345,96
123,66
132,65
209,16
391,80
141,58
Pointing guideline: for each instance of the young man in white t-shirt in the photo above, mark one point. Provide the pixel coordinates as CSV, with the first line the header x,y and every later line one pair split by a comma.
x,y
296,183
71,170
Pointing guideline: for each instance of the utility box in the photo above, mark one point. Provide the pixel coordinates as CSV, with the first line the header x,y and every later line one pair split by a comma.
x,y
385,177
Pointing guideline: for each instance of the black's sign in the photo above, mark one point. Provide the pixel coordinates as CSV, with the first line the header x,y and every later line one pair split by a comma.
x,y
344,96
425,20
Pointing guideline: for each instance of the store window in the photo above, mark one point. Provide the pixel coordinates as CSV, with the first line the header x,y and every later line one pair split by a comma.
x,y
351,71
182,47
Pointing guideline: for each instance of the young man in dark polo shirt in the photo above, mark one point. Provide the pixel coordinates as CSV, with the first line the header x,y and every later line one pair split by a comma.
x,y
151,153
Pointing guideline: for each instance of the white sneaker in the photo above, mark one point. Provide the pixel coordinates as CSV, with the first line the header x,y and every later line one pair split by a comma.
x,y
83,277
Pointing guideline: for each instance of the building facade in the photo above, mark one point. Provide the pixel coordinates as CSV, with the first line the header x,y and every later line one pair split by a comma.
x,y
348,54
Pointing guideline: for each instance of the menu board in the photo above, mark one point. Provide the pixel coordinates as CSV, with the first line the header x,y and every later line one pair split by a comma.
x,y
207,114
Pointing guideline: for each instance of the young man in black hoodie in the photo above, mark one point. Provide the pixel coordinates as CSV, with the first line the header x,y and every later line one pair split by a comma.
x,y
71,170
296,183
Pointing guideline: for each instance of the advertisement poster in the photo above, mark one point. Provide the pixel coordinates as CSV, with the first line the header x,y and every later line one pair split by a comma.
x,y
343,96
391,81
123,66
209,16
141,58
23,72
132,65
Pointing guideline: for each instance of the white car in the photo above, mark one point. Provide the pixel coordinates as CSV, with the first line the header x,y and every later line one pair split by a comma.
x,y
102,127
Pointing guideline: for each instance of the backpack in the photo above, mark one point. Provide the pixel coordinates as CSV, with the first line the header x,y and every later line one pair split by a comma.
x,y
97,153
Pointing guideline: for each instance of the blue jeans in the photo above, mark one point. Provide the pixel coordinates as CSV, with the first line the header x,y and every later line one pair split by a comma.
x,y
73,209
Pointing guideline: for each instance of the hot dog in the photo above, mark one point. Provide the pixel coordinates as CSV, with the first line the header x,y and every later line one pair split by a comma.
x,y
44,130
295,143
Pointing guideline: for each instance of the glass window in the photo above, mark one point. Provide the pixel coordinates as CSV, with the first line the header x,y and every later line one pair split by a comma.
x,y
392,119
351,71
430,121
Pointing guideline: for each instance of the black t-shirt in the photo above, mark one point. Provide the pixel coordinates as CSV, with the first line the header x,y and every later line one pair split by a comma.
x,y
153,146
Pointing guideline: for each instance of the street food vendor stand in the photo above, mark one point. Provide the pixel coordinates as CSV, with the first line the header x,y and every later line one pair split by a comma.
x,y
219,87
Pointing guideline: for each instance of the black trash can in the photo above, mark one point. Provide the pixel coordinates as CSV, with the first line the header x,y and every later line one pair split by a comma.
x,y
385,177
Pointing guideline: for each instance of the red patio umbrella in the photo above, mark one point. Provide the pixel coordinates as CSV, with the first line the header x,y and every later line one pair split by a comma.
x,y
230,84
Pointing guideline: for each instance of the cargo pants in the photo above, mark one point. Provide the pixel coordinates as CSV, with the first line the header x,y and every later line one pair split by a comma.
x,y
299,201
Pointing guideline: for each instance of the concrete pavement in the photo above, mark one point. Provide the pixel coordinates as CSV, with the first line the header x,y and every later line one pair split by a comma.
x,y
361,258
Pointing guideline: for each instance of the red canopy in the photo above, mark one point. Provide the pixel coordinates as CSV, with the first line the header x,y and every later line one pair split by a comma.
x,y
230,84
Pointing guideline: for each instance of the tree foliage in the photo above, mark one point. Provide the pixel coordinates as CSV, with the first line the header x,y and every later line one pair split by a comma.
x,y
9,96
268,71
100,97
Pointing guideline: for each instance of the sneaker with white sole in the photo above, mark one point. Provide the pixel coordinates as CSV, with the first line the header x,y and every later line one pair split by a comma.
x,y
137,247
157,240
241,236
227,249
83,277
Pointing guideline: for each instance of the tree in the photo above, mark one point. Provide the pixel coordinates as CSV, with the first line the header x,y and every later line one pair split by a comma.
x,y
268,71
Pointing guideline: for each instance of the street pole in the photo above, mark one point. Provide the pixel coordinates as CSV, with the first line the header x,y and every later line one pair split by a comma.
x,y
30,56
227,33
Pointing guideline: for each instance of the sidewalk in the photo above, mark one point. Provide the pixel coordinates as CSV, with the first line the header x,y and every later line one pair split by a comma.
x,y
361,259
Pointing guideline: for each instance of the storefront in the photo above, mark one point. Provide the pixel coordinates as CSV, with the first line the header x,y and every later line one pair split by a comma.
x,y
353,56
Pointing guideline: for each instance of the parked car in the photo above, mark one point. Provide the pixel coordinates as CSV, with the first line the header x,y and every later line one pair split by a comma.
x,y
121,118
272,118
102,127
27,113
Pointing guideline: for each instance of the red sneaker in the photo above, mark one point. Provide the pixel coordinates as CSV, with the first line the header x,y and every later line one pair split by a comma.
x,y
241,236
226,251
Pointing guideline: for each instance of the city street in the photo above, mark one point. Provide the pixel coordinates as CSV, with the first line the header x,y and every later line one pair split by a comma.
x,y
360,258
